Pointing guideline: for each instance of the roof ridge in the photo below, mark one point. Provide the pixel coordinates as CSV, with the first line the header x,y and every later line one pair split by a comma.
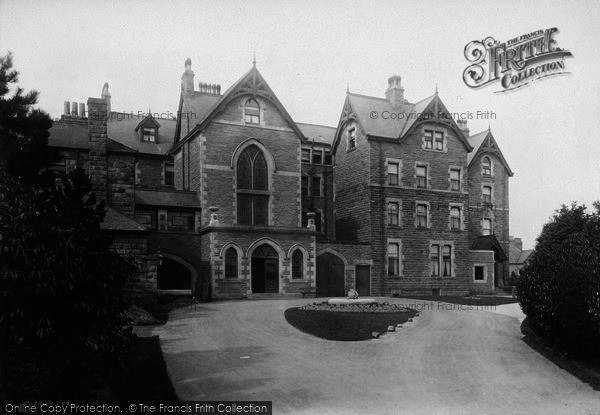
x,y
316,125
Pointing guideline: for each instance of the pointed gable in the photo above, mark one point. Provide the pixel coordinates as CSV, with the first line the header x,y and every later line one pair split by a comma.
x,y
485,142
252,84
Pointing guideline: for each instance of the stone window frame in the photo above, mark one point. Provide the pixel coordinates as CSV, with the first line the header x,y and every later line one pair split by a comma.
x,y
441,244
398,162
302,178
164,173
491,186
488,214
428,204
312,178
398,201
305,258
351,132
460,177
427,174
461,206
433,131
240,257
271,169
397,241
489,157
485,273
303,151
246,100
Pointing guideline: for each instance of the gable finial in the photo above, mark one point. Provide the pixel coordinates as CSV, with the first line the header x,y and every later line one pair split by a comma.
x,y
254,60
149,112
489,126
436,88
347,87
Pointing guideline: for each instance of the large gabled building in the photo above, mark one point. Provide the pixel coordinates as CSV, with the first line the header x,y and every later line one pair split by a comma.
x,y
233,197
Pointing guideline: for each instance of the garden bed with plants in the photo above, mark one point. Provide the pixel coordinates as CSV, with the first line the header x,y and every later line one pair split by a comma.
x,y
351,322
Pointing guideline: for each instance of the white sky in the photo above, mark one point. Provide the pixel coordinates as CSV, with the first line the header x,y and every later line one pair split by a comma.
x,y
307,51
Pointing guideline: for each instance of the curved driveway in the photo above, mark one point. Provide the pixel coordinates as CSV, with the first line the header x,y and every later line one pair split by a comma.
x,y
448,361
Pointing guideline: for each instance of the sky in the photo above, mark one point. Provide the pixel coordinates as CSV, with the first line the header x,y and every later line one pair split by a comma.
x,y
310,52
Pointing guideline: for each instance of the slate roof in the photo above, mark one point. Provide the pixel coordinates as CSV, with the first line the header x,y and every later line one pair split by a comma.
x,y
167,198
525,254
320,133
195,105
364,105
123,129
115,221
69,135
476,140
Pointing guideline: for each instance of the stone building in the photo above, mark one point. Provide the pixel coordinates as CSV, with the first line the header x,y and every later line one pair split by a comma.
x,y
232,197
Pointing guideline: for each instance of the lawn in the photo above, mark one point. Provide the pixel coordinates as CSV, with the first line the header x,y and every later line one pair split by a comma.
x,y
338,323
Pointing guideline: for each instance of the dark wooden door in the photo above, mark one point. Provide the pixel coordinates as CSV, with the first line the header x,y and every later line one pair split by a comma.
x,y
265,270
363,280
330,276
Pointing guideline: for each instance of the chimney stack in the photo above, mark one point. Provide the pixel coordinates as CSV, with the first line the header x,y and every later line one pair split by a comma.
x,y
106,96
187,79
74,109
67,108
395,92
462,124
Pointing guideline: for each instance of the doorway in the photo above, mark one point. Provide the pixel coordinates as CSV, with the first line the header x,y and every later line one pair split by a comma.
x,y
363,280
265,270
330,276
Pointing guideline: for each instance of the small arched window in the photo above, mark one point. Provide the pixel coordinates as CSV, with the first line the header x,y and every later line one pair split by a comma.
x,y
487,166
231,263
251,112
487,224
297,264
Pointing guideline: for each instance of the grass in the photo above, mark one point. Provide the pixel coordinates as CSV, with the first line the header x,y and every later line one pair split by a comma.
x,y
344,326
484,300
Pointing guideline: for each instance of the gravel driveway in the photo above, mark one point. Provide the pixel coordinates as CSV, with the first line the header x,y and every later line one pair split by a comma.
x,y
450,360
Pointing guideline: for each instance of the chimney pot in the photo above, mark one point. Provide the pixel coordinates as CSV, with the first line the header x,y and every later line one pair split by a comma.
x,y
67,108
395,92
74,109
82,109
187,79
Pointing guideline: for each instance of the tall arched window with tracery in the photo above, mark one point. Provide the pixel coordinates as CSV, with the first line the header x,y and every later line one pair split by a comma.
x,y
252,187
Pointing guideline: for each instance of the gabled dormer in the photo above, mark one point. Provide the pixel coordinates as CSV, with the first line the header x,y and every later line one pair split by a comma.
x,y
148,129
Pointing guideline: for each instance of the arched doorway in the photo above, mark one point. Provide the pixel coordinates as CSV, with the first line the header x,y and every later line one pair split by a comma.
x,y
330,276
265,270
173,275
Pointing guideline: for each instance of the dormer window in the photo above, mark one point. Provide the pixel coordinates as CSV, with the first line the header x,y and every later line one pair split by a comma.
x,y
148,130
149,134
251,112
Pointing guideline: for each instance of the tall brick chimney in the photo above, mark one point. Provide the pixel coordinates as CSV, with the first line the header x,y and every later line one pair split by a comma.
x,y
187,79
98,136
395,92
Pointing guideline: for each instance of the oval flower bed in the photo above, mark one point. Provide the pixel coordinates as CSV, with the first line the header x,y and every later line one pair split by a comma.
x,y
351,322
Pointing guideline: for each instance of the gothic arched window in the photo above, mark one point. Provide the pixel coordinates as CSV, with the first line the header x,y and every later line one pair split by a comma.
x,y
252,187
231,263
487,166
251,112
297,264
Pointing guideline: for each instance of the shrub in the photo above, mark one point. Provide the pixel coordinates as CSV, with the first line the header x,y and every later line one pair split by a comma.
x,y
60,288
559,290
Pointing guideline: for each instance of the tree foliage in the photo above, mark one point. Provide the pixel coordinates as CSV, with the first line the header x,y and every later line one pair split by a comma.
x,y
559,290
23,129
61,286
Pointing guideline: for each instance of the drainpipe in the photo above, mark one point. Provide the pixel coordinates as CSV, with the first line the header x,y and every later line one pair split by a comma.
x,y
382,219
